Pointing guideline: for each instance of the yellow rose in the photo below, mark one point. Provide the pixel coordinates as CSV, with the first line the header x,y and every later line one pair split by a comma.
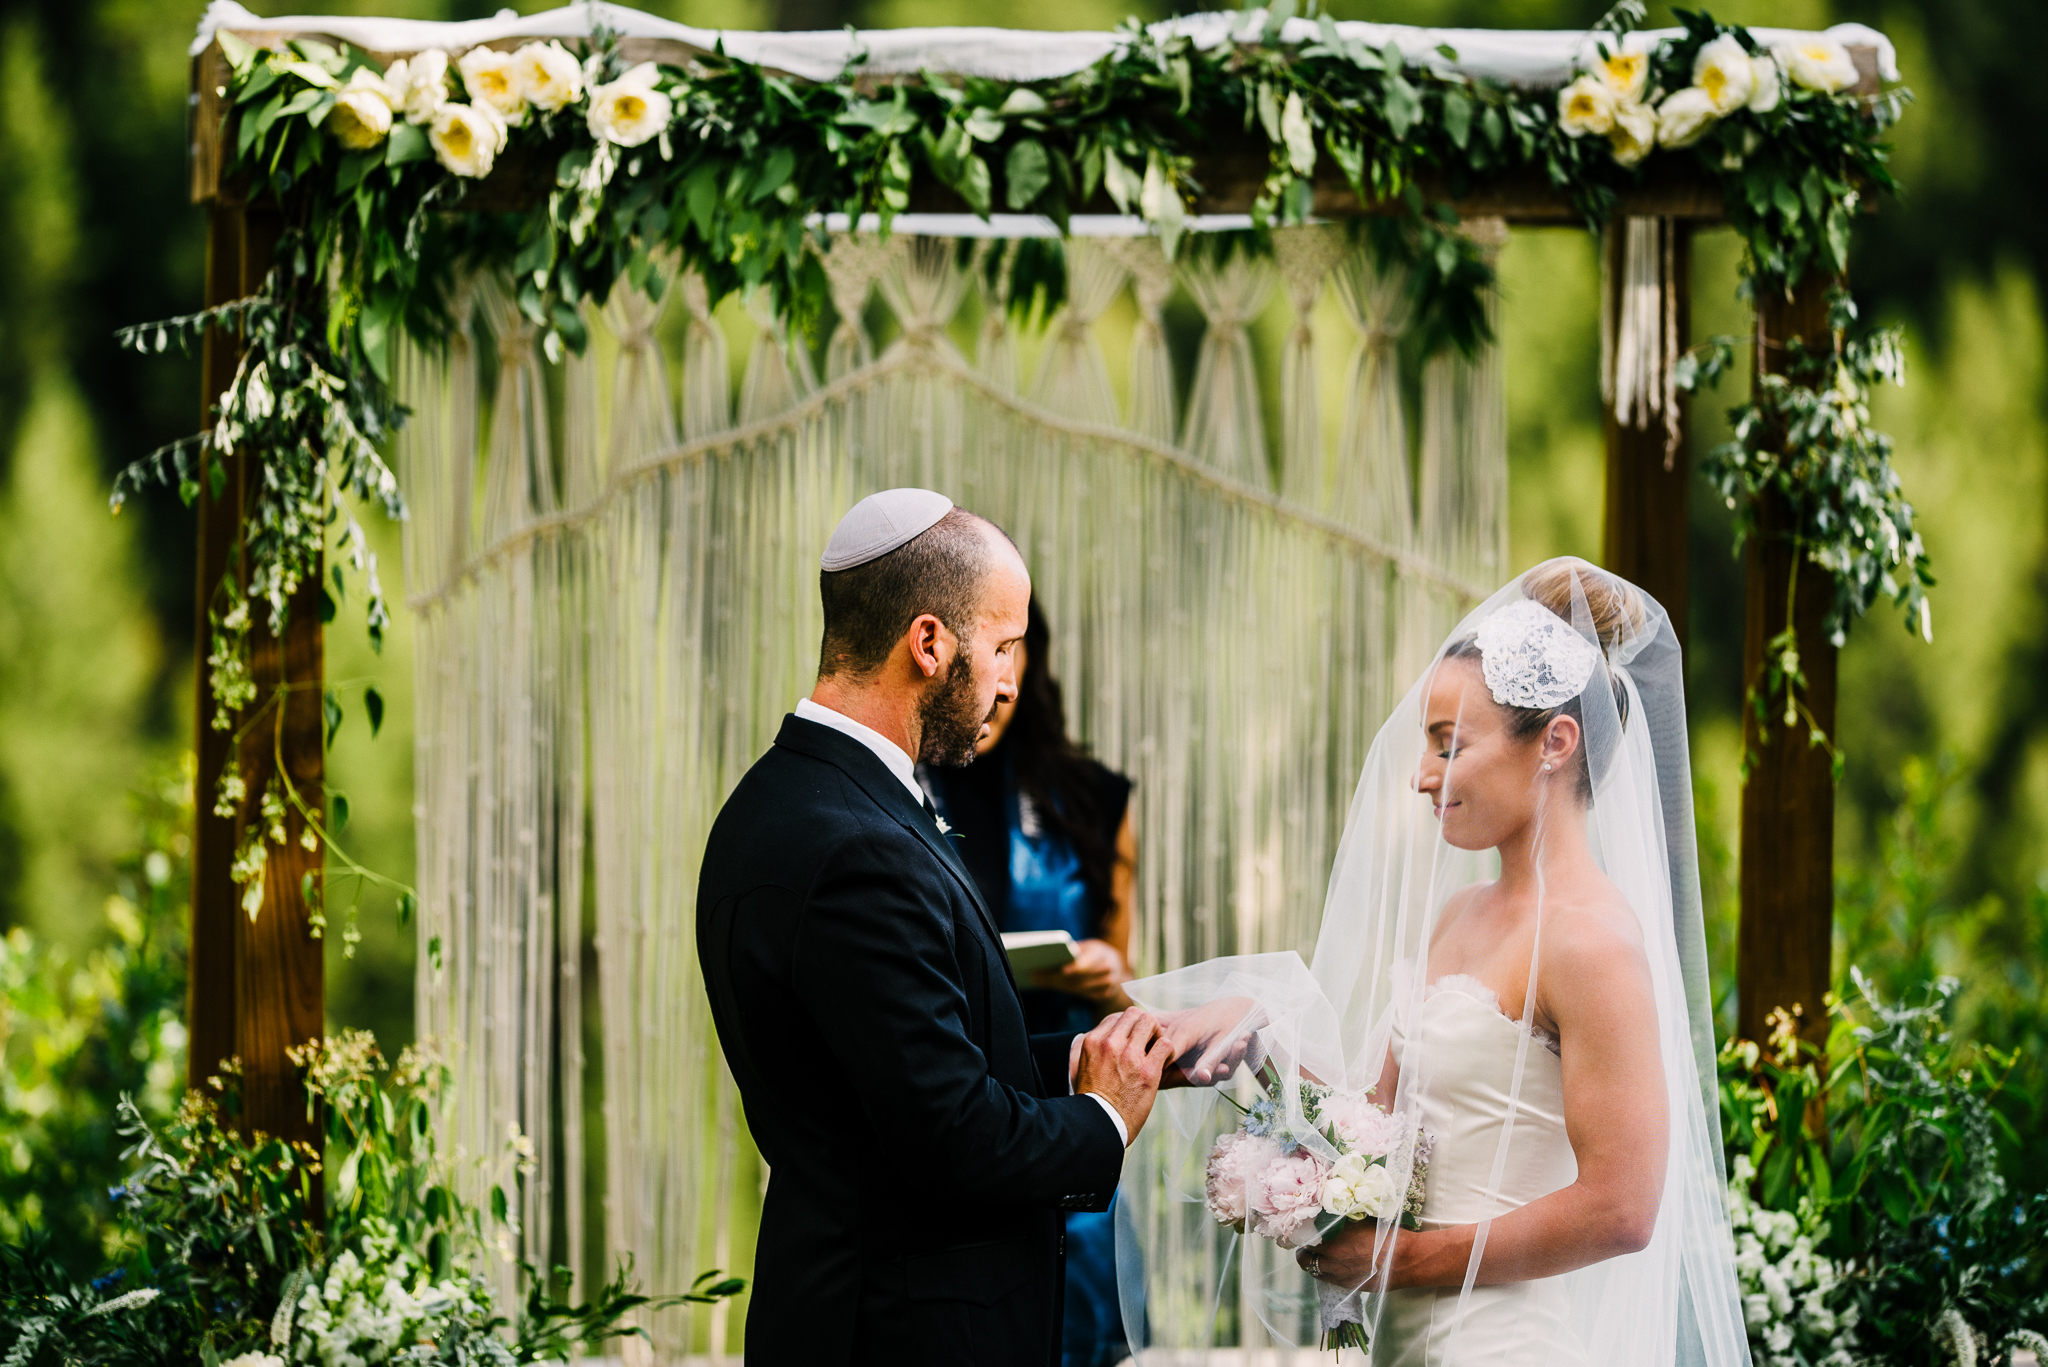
x,y
1818,62
1586,106
1684,118
361,116
1625,73
489,77
467,138
1723,71
547,76
630,110
1635,132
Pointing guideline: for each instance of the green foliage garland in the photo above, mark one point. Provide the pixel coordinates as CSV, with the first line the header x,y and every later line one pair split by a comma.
x,y
391,186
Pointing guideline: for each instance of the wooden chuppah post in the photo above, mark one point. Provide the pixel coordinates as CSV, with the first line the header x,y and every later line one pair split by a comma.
x,y
256,985
1645,527
1785,944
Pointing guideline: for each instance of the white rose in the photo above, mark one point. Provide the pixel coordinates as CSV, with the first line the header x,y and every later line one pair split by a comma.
x,y
1586,106
1684,118
547,76
630,110
1818,62
1723,70
418,84
361,116
488,76
467,138
1625,73
1635,132
1764,94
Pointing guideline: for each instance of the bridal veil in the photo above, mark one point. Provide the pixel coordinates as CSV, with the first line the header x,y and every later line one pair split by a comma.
x,y
1189,1283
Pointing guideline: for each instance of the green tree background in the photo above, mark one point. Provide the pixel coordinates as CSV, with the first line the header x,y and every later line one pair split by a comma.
x,y
1941,857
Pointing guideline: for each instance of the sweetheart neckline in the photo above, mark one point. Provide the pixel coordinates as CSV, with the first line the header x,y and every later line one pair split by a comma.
x,y
1452,984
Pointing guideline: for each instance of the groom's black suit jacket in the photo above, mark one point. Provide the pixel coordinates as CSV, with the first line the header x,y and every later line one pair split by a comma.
x,y
921,1145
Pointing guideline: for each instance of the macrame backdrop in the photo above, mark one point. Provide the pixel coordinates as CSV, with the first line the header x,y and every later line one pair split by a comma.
x,y
617,604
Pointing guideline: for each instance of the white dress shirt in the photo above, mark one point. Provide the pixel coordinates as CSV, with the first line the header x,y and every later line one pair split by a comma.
x,y
900,764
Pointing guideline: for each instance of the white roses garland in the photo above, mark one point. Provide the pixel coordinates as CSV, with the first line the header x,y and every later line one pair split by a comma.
x,y
1613,100
504,90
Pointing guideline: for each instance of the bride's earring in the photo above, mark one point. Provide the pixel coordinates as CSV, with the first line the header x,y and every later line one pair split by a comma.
x,y
1546,766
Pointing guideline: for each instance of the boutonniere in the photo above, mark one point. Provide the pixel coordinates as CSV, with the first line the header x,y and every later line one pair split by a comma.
x,y
944,829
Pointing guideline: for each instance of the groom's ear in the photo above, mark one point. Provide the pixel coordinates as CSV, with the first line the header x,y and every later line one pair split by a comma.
x,y
929,642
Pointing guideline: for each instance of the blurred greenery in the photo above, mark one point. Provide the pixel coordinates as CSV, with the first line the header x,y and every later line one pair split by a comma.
x,y
1945,803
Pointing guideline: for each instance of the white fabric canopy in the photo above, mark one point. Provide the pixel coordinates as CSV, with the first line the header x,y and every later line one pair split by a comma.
x,y
1537,57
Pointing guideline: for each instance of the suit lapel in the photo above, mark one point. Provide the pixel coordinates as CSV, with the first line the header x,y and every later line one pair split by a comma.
x,y
861,765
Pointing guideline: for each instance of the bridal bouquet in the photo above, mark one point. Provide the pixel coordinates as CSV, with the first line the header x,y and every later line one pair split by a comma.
x,y
1264,1180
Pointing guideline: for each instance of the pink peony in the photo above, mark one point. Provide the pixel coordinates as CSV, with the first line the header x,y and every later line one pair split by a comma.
x,y
1363,1127
1285,1197
1235,1160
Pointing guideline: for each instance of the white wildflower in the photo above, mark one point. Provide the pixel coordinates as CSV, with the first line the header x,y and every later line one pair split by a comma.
x,y
546,76
1586,106
467,138
1723,71
1634,132
1818,62
361,116
491,79
1684,118
630,111
418,85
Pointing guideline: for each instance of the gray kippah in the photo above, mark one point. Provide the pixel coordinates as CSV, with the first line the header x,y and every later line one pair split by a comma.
x,y
880,523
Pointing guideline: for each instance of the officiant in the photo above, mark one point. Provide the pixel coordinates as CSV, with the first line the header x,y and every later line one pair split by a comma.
x,y
1046,832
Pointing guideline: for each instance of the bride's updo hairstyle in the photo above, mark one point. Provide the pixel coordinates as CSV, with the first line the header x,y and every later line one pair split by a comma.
x,y
1617,614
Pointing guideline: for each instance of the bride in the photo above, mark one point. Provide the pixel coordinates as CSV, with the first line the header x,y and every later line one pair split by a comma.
x,y
1512,961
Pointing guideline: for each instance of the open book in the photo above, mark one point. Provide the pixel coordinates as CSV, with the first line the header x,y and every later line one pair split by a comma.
x,y
1032,950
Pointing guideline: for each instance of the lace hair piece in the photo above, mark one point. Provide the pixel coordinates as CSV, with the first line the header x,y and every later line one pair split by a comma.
x,y
1532,657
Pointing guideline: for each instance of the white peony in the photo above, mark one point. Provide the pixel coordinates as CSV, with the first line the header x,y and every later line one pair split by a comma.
x,y
1818,62
630,110
1586,106
467,138
1765,93
1358,1189
361,116
491,79
1625,73
1634,133
547,76
1685,117
418,85
1723,71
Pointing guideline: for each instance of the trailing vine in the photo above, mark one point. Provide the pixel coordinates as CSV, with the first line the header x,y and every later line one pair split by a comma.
x,y
571,170
1805,439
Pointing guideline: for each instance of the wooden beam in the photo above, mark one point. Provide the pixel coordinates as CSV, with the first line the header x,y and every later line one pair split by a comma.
x,y
210,999
1785,943
1649,477
256,987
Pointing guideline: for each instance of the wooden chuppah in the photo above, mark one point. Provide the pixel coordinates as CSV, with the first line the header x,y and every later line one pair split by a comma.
x,y
257,983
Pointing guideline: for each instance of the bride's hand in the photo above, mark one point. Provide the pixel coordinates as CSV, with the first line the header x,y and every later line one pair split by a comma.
x,y
1344,1258
1210,1042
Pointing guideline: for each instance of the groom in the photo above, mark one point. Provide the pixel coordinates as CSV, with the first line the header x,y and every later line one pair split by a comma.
x,y
922,1146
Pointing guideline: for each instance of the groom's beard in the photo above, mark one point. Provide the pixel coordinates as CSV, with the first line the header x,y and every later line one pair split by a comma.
x,y
951,721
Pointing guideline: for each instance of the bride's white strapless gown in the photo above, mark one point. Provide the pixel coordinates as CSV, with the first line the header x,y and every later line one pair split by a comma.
x,y
1468,1056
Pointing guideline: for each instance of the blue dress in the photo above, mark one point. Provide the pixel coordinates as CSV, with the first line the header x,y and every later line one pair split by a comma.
x,y
1031,879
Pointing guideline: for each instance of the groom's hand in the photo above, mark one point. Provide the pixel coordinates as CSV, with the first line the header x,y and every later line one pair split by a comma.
x,y
1121,1060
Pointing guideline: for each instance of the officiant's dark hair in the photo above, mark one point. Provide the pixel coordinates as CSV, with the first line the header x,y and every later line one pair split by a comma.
x,y
942,570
